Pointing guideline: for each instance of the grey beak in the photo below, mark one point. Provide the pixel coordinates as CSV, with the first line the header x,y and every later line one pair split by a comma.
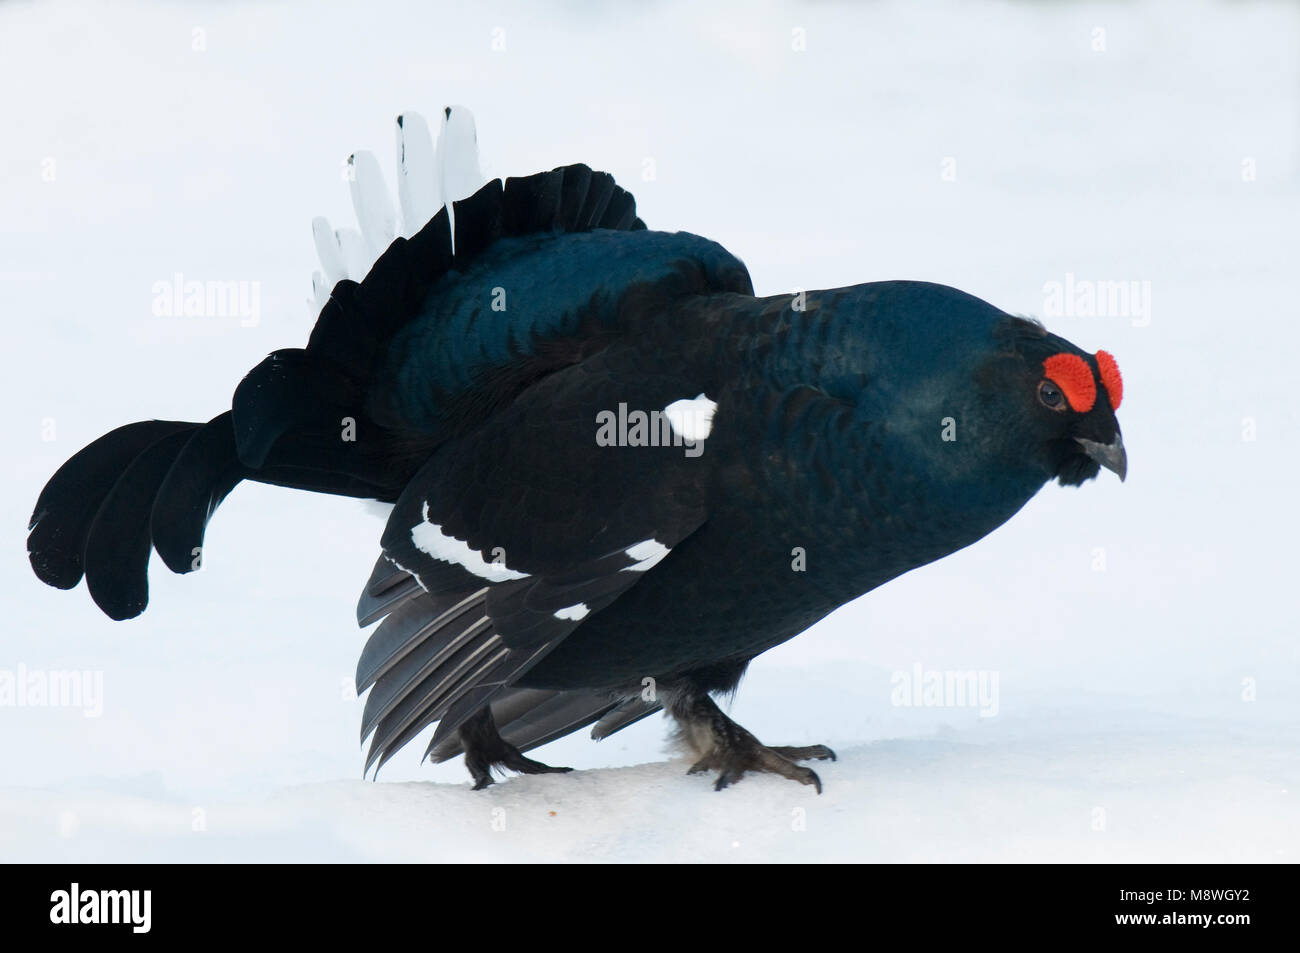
x,y
1109,455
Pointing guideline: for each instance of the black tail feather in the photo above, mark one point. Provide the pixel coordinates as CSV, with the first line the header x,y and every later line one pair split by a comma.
x,y
205,471
66,508
287,391
119,542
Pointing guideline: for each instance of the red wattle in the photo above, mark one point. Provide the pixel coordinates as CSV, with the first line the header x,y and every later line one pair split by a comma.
x,y
1072,374
1110,378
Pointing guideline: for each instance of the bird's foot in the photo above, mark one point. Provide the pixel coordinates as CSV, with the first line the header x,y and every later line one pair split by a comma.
x,y
511,760
725,747
806,753
485,749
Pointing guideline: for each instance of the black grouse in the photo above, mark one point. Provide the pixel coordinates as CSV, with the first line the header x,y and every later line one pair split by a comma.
x,y
618,475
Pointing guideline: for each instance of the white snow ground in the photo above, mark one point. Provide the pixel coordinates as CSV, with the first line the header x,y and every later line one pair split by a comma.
x,y
1143,636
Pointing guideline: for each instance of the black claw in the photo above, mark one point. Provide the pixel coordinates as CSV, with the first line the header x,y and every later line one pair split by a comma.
x,y
485,748
529,766
734,751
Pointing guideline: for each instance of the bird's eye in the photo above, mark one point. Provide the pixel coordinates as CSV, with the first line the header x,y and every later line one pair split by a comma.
x,y
1050,396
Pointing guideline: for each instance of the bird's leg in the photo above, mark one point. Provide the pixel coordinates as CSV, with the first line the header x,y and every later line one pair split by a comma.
x,y
722,745
486,749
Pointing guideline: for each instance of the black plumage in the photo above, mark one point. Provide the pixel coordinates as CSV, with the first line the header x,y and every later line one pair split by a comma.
x,y
574,539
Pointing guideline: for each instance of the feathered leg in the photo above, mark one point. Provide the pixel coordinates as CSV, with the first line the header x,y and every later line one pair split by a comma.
x,y
722,745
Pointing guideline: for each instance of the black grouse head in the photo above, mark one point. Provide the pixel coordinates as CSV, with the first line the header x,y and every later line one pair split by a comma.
x,y
1061,397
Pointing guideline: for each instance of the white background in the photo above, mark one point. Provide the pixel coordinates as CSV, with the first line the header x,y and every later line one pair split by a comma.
x,y
1123,732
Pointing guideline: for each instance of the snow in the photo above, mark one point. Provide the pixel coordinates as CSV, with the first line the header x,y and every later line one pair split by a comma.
x,y
1143,636
1072,793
